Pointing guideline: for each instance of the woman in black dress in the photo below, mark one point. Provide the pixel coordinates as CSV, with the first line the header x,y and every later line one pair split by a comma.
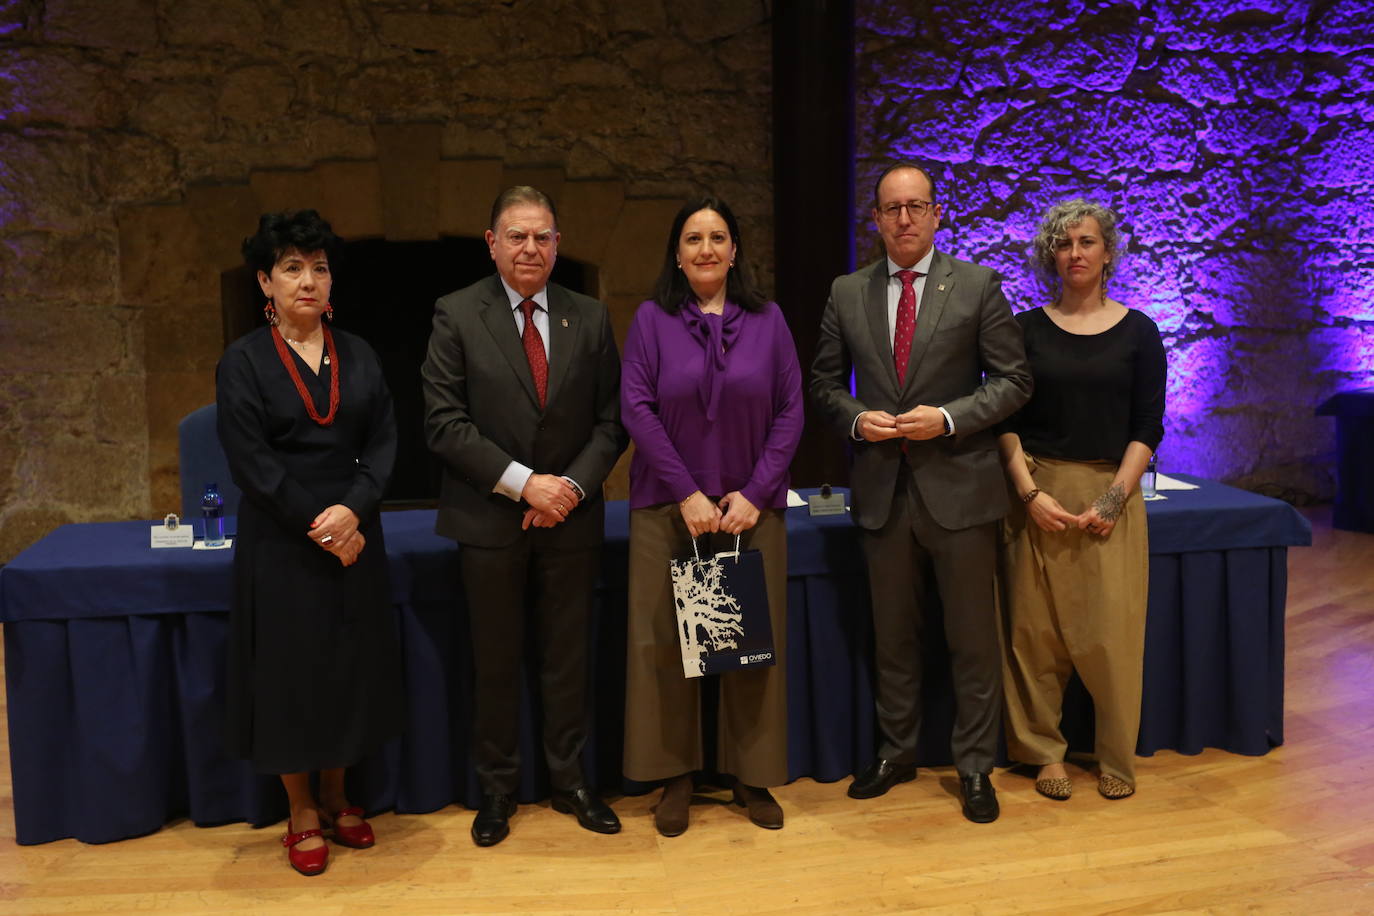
x,y
306,421
1075,563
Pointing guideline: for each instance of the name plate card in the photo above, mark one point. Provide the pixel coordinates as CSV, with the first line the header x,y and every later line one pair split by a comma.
x,y
180,536
825,502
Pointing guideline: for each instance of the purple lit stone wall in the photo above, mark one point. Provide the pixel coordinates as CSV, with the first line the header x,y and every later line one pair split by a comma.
x,y
1235,138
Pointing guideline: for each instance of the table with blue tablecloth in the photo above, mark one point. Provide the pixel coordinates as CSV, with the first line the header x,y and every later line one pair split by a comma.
x,y
115,666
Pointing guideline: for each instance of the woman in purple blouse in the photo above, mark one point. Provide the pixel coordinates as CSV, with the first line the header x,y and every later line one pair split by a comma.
x,y
711,395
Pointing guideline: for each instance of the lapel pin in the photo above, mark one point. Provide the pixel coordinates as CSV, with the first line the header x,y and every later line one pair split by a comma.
x,y
940,288
565,321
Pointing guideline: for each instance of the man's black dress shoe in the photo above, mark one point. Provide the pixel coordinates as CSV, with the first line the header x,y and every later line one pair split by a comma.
x,y
878,778
592,813
980,799
492,823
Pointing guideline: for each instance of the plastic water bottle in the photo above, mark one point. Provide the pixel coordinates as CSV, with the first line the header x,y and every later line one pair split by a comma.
x,y
1148,479
212,511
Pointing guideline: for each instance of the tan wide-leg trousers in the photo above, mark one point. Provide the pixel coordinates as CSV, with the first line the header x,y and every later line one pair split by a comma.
x,y
1074,601
662,707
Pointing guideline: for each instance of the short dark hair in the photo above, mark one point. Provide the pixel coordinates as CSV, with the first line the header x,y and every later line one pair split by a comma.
x,y
672,291
300,230
520,194
903,164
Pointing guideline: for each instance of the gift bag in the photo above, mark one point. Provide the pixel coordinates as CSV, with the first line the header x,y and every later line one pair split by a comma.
x,y
722,612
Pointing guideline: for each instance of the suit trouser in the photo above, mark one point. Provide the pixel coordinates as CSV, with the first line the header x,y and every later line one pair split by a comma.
x,y
530,585
1075,601
911,560
663,736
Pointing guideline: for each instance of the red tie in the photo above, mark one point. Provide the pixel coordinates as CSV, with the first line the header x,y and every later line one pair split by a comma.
x,y
534,351
906,323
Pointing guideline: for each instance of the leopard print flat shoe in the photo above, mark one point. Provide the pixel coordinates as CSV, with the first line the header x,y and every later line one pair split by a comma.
x,y
1058,788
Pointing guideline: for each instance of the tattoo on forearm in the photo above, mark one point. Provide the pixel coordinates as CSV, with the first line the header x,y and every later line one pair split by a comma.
x,y
1110,504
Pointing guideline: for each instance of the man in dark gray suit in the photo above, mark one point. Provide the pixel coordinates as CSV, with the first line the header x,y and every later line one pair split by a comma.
x,y
937,360
522,404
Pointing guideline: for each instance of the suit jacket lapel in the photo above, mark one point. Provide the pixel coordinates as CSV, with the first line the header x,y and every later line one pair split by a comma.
x,y
939,284
875,306
496,314
563,330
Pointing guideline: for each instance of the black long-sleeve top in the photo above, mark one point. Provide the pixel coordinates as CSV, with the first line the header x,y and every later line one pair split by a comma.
x,y
286,463
1094,393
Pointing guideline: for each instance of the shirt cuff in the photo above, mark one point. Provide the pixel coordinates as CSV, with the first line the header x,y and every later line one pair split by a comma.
x,y
755,496
513,480
577,488
949,421
682,487
854,427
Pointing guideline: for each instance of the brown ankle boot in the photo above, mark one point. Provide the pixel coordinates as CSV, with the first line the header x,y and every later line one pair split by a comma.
x,y
670,817
763,808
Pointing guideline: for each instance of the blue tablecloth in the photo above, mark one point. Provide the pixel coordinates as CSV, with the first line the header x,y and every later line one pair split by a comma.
x,y
115,656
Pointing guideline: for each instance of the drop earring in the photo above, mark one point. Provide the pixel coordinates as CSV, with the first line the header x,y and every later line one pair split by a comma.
x,y
269,311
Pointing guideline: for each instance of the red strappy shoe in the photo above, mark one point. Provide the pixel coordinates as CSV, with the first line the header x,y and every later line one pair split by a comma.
x,y
358,836
309,862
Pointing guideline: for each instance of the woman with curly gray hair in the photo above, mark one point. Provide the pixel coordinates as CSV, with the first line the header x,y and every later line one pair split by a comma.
x,y
1075,556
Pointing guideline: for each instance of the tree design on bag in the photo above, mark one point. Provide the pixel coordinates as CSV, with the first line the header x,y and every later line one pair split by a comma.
x,y
709,617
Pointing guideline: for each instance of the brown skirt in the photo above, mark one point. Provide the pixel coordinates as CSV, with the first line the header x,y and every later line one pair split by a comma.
x,y
1074,601
662,707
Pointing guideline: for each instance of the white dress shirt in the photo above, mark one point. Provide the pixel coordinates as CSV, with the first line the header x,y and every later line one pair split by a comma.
x,y
516,475
894,288
894,295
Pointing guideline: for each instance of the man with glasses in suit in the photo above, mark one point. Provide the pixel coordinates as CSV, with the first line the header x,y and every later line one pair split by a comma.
x,y
522,405
937,361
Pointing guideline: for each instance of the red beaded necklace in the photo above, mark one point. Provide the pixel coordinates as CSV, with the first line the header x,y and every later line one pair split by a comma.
x,y
290,364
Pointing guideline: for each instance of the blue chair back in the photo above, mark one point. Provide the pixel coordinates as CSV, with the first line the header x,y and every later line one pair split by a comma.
x,y
202,461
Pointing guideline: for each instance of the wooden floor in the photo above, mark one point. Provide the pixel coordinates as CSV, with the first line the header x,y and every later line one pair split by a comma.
x,y
1289,832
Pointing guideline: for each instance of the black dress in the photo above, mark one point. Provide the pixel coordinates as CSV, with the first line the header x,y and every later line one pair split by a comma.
x,y
314,662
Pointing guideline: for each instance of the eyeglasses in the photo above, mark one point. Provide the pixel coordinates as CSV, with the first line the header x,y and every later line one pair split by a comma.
x,y
915,209
515,238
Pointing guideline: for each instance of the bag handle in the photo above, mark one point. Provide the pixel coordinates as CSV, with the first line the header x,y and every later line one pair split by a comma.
x,y
696,554
734,553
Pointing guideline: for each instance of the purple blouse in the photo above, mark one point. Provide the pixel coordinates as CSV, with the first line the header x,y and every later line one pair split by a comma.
x,y
713,403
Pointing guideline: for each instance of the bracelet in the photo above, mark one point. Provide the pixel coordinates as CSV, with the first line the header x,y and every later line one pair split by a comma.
x,y
1030,496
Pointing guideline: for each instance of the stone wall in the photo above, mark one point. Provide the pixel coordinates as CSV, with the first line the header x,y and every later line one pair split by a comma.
x,y
1234,138
140,138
